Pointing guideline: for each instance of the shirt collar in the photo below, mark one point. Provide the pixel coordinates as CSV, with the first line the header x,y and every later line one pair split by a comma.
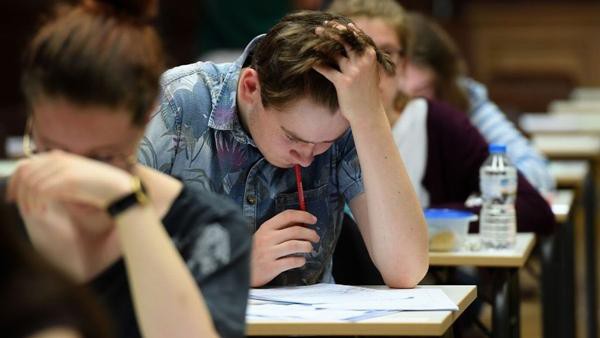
x,y
224,113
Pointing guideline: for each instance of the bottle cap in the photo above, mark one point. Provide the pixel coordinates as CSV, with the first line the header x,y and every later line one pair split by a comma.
x,y
496,148
433,213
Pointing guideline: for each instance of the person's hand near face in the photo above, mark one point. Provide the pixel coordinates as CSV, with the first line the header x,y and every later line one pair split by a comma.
x,y
357,80
49,188
61,176
388,213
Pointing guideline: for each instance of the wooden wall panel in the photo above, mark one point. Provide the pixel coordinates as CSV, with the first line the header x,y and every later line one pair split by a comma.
x,y
535,38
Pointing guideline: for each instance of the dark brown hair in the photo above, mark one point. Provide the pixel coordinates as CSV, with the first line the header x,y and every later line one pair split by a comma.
x,y
97,53
430,46
284,59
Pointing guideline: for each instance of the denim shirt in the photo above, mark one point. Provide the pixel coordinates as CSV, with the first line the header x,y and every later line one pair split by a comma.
x,y
196,135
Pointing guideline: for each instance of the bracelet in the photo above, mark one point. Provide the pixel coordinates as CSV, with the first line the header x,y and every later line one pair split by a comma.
x,y
136,197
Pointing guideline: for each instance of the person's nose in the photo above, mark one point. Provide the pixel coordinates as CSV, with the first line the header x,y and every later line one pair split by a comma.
x,y
304,155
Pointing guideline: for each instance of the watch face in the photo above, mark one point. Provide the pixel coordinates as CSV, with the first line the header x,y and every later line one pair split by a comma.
x,y
140,191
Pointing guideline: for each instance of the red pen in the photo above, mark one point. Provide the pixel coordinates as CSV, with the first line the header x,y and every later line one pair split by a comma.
x,y
298,171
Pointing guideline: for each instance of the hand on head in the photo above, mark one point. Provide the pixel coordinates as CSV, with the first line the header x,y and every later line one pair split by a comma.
x,y
355,73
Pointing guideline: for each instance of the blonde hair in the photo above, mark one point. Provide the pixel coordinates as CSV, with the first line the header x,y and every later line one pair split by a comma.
x,y
431,47
387,10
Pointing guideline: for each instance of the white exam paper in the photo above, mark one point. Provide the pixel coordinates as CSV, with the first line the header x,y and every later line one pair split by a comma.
x,y
298,313
344,297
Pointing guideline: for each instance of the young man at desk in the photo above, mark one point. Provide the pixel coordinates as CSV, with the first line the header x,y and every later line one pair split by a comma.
x,y
305,95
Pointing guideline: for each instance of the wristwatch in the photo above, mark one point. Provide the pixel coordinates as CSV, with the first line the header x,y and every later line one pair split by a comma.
x,y
136,197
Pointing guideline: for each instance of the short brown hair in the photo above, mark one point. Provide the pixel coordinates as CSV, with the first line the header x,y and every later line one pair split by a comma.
x,y
97,53
387,10
430,46
285,58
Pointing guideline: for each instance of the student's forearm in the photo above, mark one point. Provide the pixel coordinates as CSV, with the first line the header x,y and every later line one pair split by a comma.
x,y
167,300
396,233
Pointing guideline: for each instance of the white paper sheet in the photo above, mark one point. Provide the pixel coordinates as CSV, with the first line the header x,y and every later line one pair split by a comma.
x,y
279,312
344,297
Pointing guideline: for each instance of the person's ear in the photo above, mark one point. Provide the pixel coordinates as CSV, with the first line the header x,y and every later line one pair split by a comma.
x,y
249,88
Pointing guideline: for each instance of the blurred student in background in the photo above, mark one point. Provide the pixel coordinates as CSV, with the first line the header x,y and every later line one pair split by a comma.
x,y
166,261
441,149
435,70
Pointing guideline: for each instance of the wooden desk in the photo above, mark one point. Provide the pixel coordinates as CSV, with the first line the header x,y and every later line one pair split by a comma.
x,y
514,258
574,107
585,93
405,323
582,147
569,173
560,123
557,258
568,146
503,267
562,203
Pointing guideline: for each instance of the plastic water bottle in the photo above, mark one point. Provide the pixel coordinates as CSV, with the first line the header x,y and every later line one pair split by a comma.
x,y
498,185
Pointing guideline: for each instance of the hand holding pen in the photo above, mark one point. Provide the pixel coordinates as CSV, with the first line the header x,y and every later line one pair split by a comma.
x,y
298,172
280,243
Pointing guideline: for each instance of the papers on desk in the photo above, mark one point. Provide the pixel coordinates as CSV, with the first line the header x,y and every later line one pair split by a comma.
x,y
333,302
278,312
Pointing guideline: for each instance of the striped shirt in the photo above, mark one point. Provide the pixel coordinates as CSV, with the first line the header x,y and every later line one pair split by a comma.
x,y
496,128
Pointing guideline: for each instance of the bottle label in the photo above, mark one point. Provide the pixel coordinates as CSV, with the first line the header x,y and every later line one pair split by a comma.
x,y
498,186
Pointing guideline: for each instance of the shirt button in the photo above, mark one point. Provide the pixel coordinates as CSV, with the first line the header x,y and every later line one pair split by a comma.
x,y
251,199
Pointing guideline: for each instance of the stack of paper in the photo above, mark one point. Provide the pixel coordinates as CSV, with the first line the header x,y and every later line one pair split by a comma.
x,y
295,312
332,302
